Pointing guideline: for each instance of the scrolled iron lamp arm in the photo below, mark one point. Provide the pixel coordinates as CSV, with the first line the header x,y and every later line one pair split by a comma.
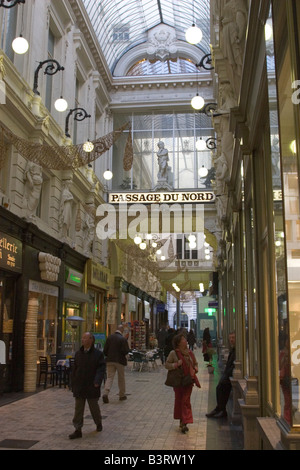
x,y
11,3
52,68
80,115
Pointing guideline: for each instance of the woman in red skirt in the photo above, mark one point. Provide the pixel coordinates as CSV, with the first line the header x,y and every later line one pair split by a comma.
x,y
181,356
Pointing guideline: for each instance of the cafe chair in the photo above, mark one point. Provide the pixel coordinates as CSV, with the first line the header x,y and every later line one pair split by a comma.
x,y
46,371
152,360
139,361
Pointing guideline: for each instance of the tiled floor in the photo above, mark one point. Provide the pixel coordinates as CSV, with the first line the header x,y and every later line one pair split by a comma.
x,y
142,422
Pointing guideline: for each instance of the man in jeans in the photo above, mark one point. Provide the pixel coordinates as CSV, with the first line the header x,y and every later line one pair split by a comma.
x,y
224,386
115,350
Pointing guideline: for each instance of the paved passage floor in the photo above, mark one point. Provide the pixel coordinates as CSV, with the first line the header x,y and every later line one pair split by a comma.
x,y
43,421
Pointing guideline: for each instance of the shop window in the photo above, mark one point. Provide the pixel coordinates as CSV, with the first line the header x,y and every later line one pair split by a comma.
x,y
72,328
286,40
46,323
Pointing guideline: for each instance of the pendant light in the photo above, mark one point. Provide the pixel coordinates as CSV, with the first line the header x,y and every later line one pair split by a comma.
x,y
137,240
203,172
61,105
20,45
197,102
193,35
88,146
201,145
107,175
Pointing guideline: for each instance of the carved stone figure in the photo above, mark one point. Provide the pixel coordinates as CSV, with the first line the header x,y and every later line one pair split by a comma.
x,y
227,98
66,209
162,158
88,233
234,22
33,187
222,171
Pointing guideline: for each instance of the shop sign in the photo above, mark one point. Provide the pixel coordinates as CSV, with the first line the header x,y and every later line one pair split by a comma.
x,y
97,275
73,277
10,253
162,197
41,288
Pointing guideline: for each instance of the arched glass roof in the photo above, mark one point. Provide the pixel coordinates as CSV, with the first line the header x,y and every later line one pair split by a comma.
x,y
123,24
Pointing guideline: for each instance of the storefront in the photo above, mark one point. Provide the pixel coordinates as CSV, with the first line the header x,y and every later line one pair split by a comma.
x,y
98,282
75,305
11,252
285,22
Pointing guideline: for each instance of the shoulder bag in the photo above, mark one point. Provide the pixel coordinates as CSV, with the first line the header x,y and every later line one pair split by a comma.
x,y
174,377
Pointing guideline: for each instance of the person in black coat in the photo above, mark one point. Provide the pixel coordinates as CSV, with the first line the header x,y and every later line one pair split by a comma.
x,y
224,386
87,375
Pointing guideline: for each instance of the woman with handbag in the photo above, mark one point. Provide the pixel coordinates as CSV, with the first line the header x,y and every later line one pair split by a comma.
x,y
182,363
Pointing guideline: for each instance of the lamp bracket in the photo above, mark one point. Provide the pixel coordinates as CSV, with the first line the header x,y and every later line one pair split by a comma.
x,y
10,3
52,68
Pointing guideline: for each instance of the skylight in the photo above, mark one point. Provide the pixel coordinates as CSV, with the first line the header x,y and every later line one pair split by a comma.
x,y
123,24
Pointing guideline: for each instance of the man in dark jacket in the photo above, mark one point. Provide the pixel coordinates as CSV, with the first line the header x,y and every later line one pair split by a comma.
x,y
224,386
116,349
87,376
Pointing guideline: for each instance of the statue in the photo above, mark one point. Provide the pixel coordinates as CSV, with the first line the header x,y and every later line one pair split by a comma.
x,y
162,158
222,171
88,233
66,209
33,188
234,23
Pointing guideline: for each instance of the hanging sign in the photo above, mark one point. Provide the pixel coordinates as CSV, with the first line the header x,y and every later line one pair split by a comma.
x,y
162,197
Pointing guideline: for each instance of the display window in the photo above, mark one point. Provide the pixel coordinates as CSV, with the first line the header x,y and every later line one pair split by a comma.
x,y
46,323
72,327
285,17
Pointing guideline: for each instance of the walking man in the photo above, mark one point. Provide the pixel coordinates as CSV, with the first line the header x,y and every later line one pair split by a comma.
x,y
87,376
115,350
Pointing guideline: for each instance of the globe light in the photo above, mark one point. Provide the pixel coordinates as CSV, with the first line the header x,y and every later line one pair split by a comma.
x,y
193,35
61,104
192,238
88,146
203,172
193,245
137,240
201,145
20,45
268,31
143,246
107,175
197,102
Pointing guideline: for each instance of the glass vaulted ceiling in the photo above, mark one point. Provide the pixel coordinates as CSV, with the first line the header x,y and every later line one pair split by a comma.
x,y
123,24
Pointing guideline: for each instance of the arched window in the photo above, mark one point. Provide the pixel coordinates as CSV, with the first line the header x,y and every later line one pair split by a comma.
x,y
158,67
